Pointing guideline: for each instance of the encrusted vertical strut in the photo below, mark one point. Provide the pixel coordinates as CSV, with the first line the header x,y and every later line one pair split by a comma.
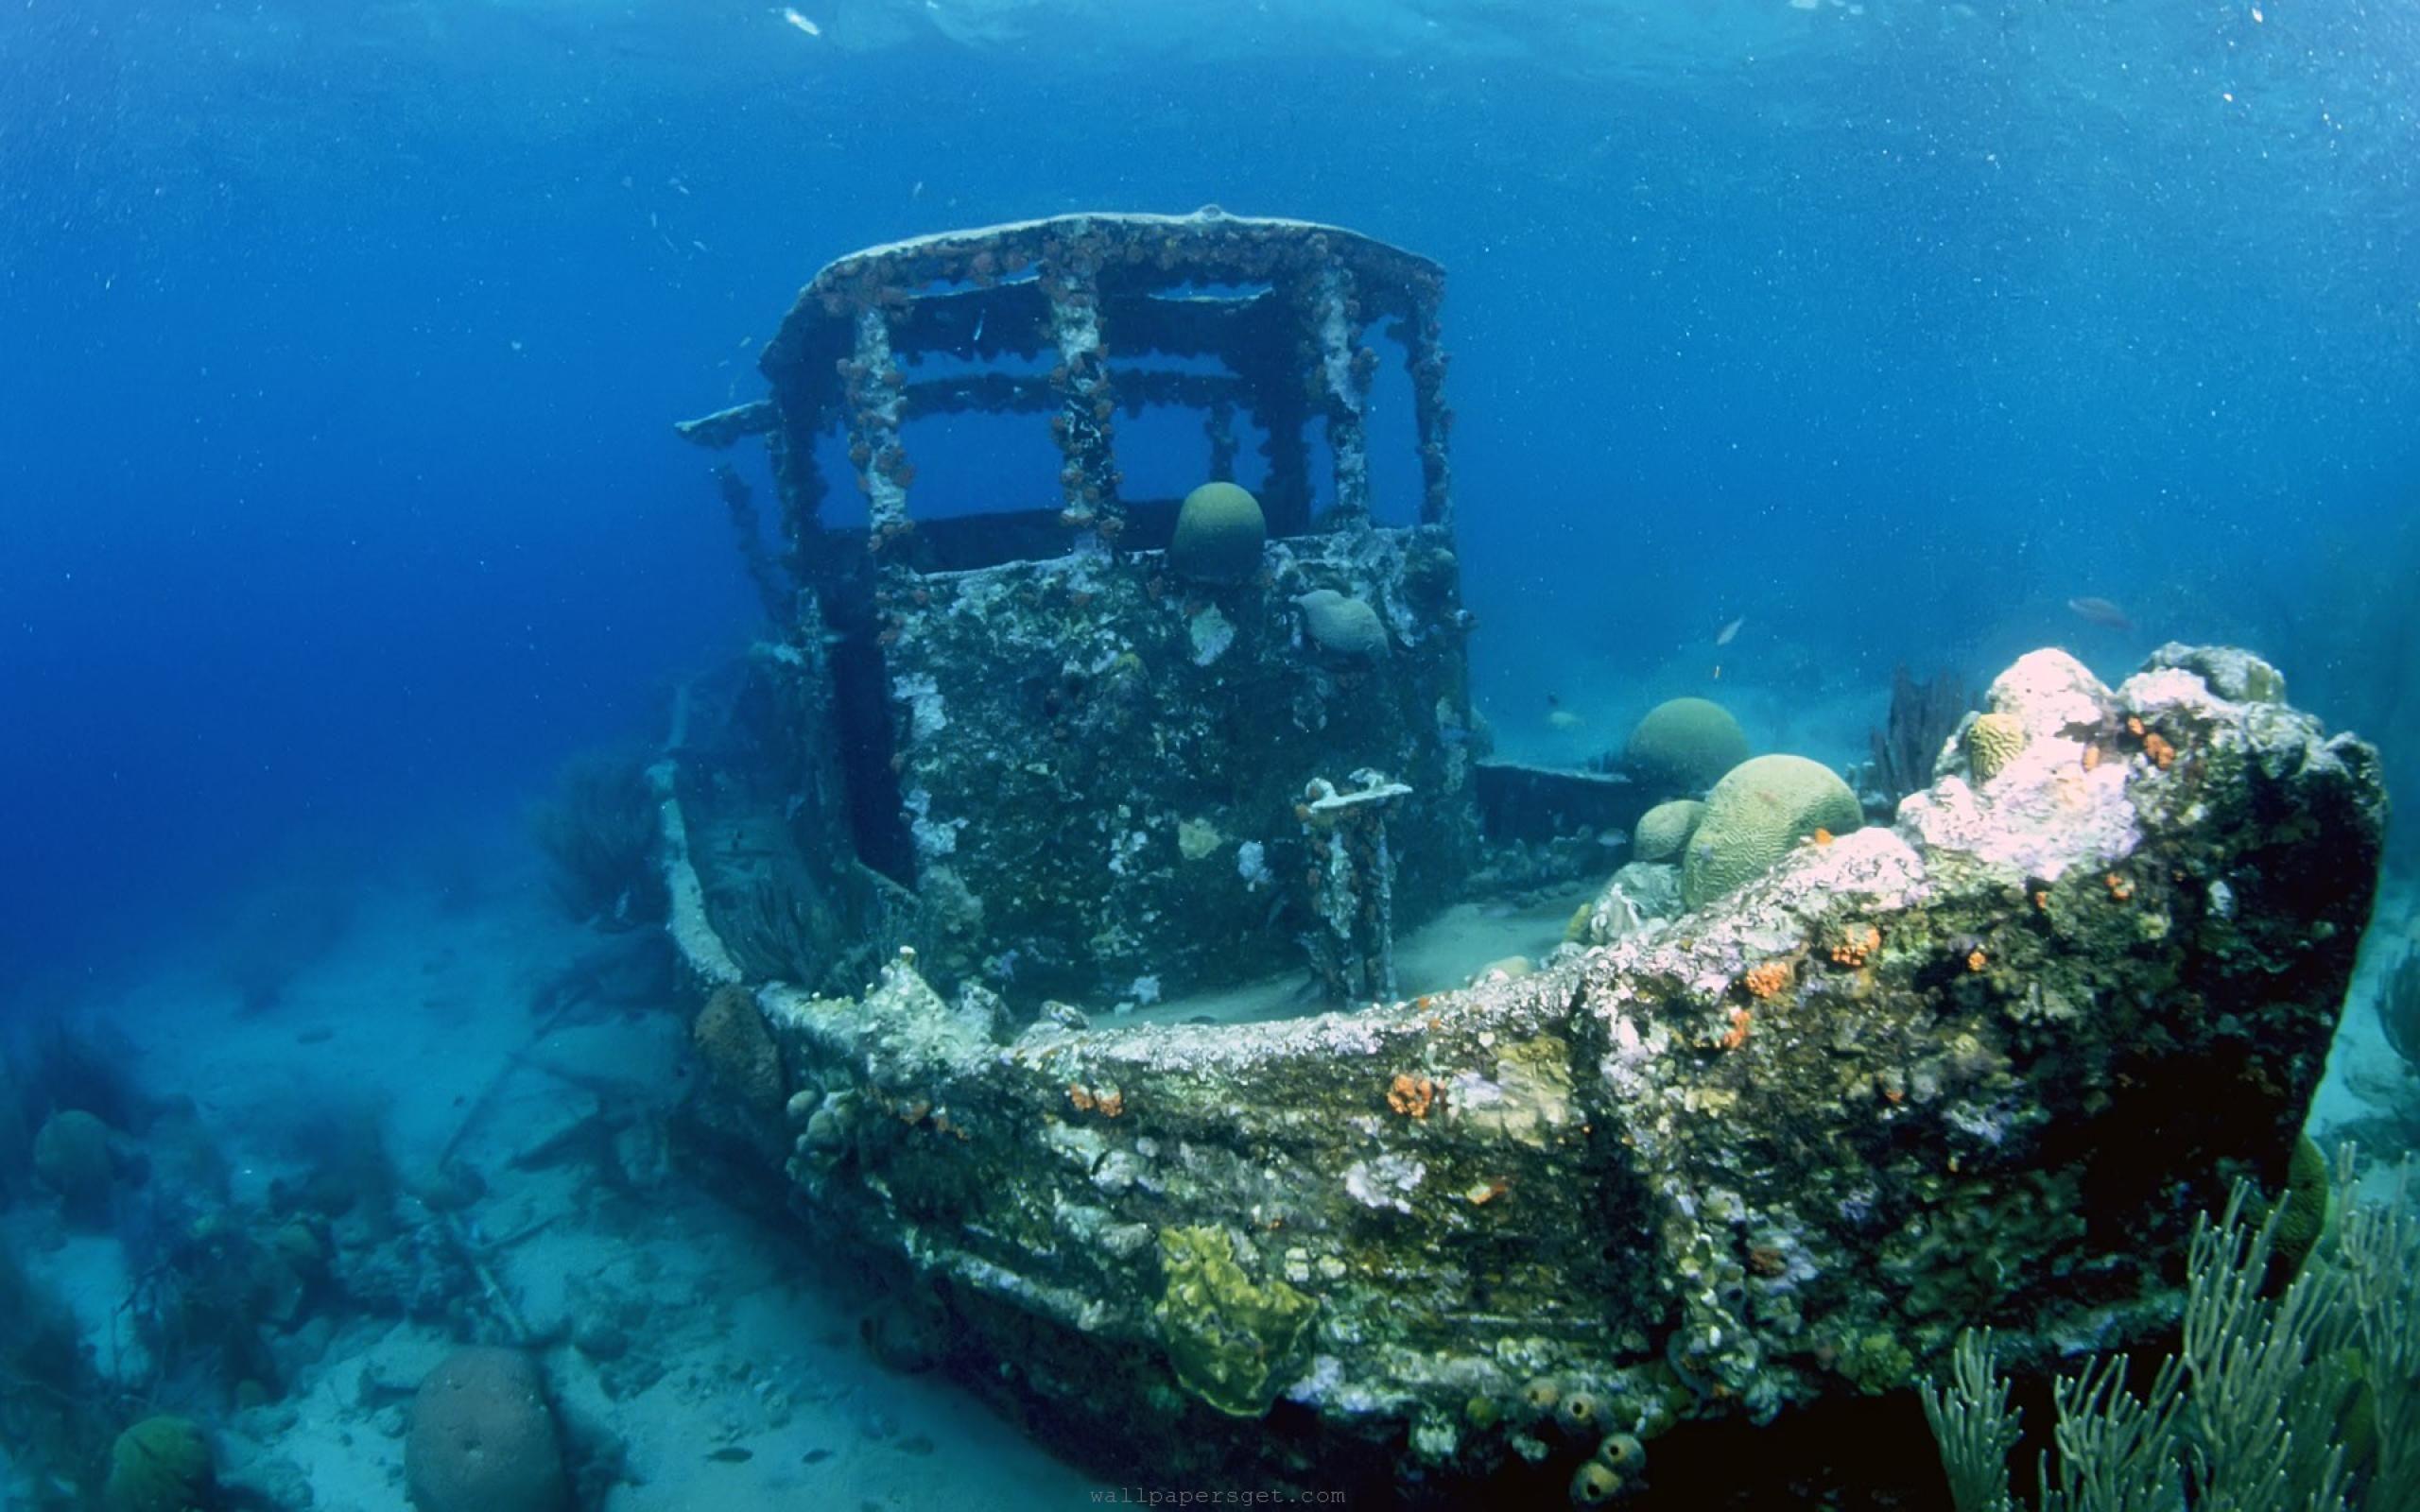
x,y
1345,367
1424,357
1352,877
801,485
877,394
1088,476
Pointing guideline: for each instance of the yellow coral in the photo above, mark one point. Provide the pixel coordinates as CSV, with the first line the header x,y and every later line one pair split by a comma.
x,y
1993,742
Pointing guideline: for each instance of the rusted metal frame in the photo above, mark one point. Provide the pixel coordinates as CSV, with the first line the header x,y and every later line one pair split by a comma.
x,y
789,449
877,399
1088,475
1344,369
1424,344
800,484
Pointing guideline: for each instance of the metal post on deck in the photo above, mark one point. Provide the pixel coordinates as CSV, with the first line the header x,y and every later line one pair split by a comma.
x,y
1088,476
1344,375
878,393
1424,357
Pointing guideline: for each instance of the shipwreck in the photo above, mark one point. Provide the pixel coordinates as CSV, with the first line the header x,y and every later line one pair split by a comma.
x,y
1000,773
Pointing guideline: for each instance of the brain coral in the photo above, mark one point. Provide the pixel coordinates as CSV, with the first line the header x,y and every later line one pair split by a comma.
x,y
159,1465
1992,741
483,1438
1347,626
1663,830
71,1157
1755,815
1684,745
1219,530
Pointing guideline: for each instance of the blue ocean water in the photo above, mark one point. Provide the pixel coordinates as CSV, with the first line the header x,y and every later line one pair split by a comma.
x,y
346,339
339,346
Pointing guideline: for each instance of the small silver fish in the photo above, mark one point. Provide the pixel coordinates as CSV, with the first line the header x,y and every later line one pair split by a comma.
x,y
2102,613
1722,636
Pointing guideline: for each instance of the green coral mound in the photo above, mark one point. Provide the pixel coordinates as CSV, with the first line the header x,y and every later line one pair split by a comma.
x,y
1992,741
1342,624
1684,745
1233,1343
71,1157
159,1465
1757,812
1219,531
2234,675
1664,831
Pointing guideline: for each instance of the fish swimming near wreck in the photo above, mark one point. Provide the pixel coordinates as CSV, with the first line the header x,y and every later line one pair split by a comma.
x,y
1724,635
2102,613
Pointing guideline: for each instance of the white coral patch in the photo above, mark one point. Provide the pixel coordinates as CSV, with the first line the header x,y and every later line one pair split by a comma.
x,y
2050,693
2042,817
934,837
2172,688
1384,1182
1211,634
1252,864
923,697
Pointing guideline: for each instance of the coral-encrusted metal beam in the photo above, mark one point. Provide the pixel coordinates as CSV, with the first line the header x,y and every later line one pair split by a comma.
x,y
1424,357
1087,477
877,395
1344,370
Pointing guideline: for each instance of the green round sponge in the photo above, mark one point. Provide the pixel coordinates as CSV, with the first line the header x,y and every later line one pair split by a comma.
x,y
1664,830
159,1465
1219,531
1755,815
1683,745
